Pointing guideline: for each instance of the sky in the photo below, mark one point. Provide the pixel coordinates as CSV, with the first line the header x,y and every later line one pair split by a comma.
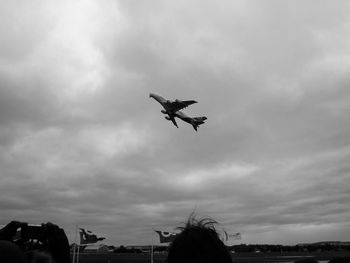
x,y
82,144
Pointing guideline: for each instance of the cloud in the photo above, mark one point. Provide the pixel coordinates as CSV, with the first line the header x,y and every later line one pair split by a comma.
x,y
81,142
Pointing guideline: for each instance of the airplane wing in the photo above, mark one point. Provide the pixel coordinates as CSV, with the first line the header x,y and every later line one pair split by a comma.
x,y
172,106
180,104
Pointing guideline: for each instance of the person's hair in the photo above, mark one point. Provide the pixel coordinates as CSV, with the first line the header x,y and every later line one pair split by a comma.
x,y
198,242
10,252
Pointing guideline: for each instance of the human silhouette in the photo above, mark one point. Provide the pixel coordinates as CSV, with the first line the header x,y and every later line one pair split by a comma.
x,y
198,242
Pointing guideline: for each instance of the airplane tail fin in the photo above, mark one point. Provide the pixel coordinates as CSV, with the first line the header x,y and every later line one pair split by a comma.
x,y
198,121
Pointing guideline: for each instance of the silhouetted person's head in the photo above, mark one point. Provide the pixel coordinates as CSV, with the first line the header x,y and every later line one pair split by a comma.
x,y
10,253
198,242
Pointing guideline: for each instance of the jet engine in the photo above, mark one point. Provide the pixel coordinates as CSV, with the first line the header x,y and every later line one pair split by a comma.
x,y
163,111
167,118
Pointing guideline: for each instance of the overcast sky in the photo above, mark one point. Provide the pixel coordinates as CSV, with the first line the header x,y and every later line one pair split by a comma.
x,y
81,143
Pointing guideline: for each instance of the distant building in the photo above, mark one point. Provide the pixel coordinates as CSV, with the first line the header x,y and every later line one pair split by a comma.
x,y
147,248
102,248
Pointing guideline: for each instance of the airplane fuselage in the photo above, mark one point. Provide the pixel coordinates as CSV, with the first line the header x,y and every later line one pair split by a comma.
x,y
195,122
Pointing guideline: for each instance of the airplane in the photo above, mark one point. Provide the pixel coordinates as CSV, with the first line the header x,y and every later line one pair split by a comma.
x,y
171,107
195,121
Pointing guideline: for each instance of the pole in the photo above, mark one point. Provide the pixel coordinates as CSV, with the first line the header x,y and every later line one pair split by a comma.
x,y
78,253
152,247
75,243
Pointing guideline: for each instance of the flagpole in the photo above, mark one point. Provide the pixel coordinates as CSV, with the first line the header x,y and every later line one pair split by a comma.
x,y
152,247
75,243
78,253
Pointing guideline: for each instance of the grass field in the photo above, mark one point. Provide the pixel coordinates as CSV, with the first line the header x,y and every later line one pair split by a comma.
x,y
237,258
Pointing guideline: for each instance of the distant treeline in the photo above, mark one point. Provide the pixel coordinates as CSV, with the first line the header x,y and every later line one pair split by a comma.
x,y
264,248
242,248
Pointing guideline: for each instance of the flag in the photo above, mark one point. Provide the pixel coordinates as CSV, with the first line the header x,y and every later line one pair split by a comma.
x,y
87,237
234,236
226,236
166,237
